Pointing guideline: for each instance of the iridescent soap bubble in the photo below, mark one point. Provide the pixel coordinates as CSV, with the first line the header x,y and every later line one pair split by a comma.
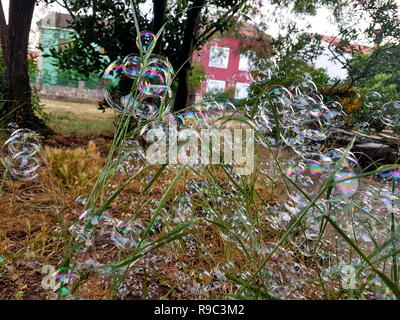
x,y
116,87
133,157
300,143
309,175
144,40
338,114
373,100
157,77
20,154
148,108
281,99
348,168
391,113
304,88
132,65
194,119
125,235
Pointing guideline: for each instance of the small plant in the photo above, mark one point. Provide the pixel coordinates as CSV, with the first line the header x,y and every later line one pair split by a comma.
x,y
73,168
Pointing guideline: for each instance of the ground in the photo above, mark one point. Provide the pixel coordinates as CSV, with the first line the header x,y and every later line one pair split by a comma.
x,y
35,217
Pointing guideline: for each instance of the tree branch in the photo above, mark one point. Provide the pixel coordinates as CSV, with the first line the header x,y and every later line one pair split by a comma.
x,y
212,29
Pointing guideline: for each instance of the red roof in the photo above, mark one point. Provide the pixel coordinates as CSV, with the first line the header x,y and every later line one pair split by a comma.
x,y
351,48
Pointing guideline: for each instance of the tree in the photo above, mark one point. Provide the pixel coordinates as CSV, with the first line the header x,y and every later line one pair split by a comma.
x,y
383,30
109,24
14,42
191,23
188,46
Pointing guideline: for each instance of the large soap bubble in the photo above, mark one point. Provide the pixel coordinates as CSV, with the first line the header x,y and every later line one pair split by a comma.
x,y
152,77
390,113
20,154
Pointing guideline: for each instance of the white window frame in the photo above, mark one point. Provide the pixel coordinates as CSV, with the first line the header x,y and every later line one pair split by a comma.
x,y
244,62
239,87
222,60
214,89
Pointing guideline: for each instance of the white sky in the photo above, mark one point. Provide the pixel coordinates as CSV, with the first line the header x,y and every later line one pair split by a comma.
x,y
319,23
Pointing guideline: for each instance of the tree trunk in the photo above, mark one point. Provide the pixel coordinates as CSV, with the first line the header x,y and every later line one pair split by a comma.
x,y
189,38
159,7
14,39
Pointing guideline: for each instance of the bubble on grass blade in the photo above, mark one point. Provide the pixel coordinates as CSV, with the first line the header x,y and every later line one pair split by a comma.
x,y
280,96
346,184
307,174
125,236
144,40
148,108
156,78
133,157
132,65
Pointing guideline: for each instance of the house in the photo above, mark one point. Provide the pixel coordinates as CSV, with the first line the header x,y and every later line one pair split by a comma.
x,y
333,67
54,32
226,58
227,63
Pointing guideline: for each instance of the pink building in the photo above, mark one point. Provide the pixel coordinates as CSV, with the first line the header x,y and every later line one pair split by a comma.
x,y
227,62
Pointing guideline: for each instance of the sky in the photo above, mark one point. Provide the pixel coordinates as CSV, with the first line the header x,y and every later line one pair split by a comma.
x,y
319,23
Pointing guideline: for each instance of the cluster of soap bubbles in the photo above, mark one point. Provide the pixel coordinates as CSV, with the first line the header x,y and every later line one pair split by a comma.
x,y
20,154
304,119
386,112
151,74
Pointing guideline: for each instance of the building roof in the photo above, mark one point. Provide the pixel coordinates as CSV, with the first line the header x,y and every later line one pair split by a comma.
x,y
350,48
63,20
56,20
247,30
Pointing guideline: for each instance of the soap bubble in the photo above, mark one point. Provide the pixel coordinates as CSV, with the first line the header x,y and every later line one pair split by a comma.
x,y
125,235
132,65
116,87
338,114
133,157
156,79
309,175
145,38
153,82
304,88
391,113
347,167
373,100
19,154
148,108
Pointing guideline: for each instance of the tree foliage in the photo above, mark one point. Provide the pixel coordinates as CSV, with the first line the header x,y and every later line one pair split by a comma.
x,y
109,24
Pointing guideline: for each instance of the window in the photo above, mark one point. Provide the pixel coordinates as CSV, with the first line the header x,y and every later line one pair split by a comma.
x,y
245,62
215,86
219,57
242,90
